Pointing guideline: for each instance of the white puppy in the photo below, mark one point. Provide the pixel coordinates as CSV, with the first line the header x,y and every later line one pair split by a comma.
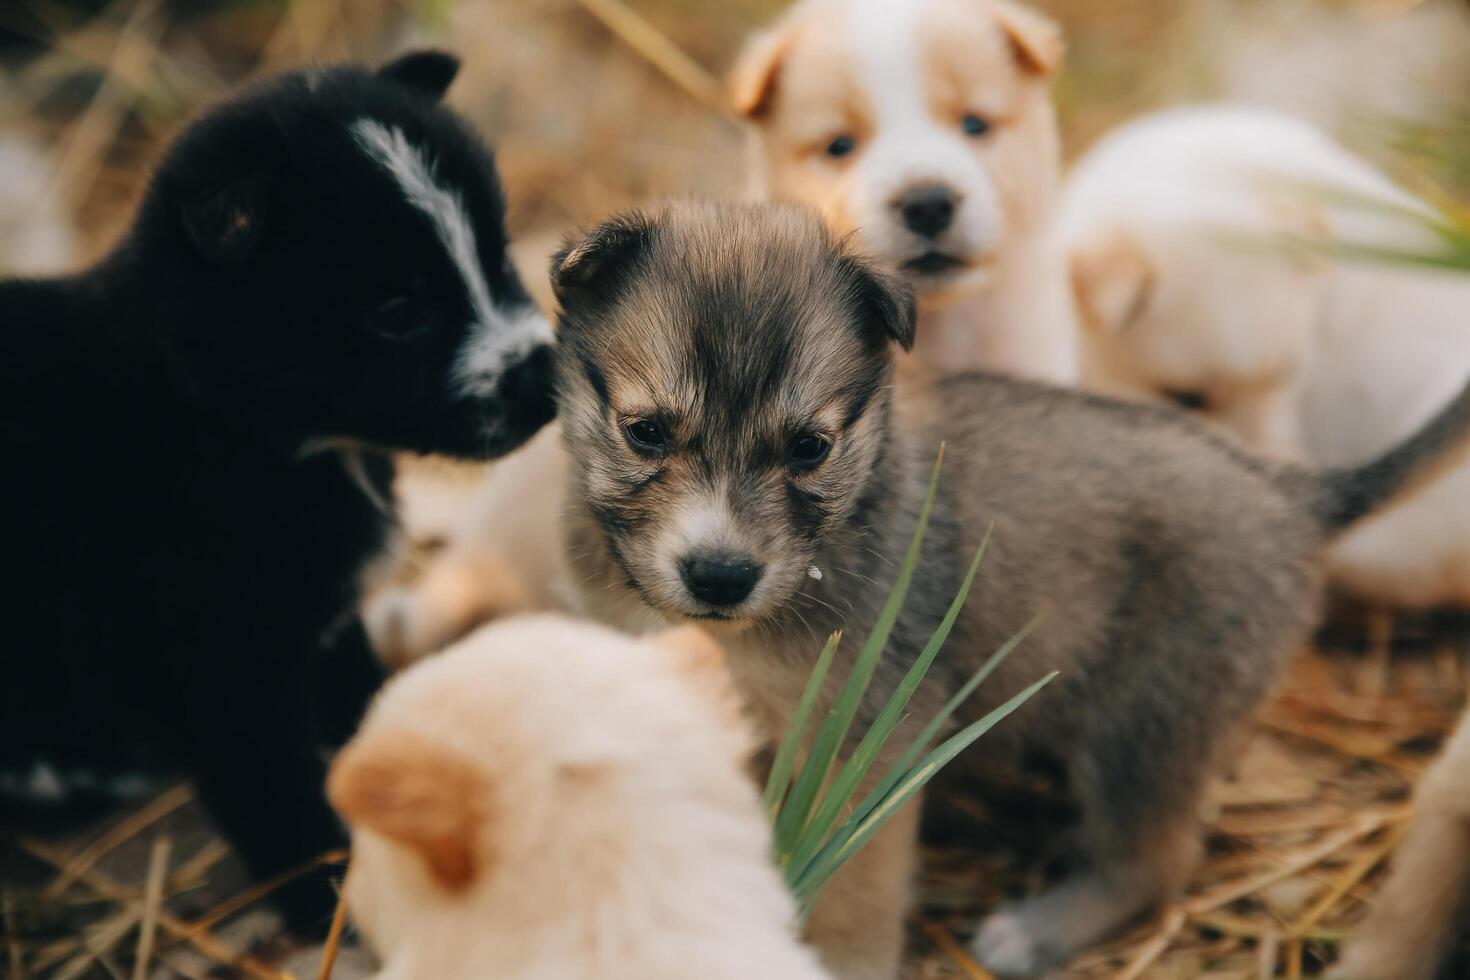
x,y
549,799
1173,225
926,127
35,235
1413,925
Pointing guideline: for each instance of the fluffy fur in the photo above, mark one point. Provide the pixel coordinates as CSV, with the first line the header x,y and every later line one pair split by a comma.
x,y
1415,917
896,82
199,418
550,799
1172,224
742,330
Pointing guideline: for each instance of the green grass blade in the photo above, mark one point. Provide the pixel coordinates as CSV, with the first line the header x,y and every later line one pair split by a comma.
x,y
779,780
937,724
796,811
855,770
858,830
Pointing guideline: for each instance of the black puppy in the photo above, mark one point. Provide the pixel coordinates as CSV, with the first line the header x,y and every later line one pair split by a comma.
x,y
317,272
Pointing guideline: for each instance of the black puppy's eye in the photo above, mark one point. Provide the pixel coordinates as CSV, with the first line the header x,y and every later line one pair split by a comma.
x,y
974,125
646,434
397,319
841,146
808,450
1190,401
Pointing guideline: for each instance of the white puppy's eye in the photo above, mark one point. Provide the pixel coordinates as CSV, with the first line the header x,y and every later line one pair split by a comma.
x,y
841,146
974,125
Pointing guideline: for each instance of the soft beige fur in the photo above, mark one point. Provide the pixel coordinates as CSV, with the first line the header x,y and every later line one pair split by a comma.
x,y
1412,926
1173,224
549,799
898,79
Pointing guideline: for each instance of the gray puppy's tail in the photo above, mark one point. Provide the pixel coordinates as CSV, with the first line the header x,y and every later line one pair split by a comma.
x,y
1349,494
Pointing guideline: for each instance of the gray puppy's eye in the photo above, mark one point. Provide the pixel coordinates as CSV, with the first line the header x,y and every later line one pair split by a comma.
x,y
646,434
808,450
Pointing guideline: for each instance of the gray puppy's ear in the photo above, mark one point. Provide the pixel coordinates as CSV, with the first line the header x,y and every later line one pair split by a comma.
x,y
884,303
594,266
427,73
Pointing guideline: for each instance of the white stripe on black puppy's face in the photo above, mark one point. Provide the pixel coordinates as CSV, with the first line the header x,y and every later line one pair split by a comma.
x,y
723,381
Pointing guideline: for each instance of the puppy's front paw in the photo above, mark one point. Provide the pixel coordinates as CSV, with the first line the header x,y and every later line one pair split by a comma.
x,y
1006,946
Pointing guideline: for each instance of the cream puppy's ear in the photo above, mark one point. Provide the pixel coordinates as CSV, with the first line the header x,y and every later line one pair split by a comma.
x,y
752,82
1036,38
422,795
1111,281
701,661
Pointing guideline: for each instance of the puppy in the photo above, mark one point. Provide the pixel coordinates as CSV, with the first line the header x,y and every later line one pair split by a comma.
x,y
1171,224
35,236
551,799
1412,928
731,420
926,129
316,272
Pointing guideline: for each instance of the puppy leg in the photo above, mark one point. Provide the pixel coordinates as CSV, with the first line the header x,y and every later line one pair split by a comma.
x,y
345,680
458,591
858,923
261,777
1138,770
1414,917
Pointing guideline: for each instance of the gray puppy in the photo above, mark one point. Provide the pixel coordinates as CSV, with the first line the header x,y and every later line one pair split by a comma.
x,y
729,405
732,420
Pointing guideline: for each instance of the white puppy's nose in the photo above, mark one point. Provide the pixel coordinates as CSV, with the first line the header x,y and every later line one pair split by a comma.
x,y
927,209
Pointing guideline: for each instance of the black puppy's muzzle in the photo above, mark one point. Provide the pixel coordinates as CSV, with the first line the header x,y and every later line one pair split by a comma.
x,y
527,395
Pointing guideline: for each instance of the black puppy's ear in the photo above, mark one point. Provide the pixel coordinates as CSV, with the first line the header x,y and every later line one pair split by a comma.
x,y
883,300
428,73
226,225
591,265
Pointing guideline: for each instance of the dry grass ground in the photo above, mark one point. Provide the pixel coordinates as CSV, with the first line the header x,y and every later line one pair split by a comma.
x,y
593,110
1298,836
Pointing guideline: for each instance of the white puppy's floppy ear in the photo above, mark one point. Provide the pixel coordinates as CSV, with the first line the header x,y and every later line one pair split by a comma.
x,y
1112,278
421,795
752,82
1036,38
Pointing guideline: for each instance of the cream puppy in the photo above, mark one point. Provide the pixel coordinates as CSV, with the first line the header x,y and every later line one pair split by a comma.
x,y
926,128
1413,924
1170,224
550,799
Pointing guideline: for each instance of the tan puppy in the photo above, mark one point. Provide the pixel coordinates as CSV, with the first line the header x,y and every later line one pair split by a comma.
x,y
1412,927
926,128
550,799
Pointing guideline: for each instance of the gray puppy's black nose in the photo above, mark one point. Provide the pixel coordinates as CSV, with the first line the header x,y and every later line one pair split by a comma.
x,y
927,209
720,579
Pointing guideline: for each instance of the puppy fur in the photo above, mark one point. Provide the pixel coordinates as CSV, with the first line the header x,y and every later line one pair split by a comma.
x,y
860,108
551,799
1413,926
1174,225
317,272
741,332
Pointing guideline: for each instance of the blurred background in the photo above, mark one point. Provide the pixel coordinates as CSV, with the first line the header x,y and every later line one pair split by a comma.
x,y
597,104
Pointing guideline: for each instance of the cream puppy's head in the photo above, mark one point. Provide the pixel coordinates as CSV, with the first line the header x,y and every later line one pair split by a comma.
x,y
540,769
925,126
